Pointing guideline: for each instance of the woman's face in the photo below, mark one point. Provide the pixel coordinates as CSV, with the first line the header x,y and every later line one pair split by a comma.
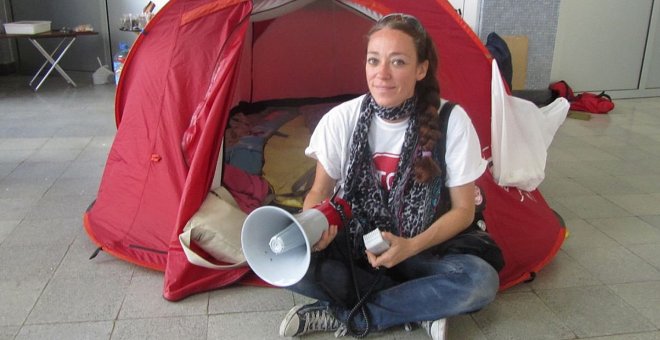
x,y
392,67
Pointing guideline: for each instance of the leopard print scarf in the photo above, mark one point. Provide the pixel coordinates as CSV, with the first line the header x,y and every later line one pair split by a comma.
x,y
409,207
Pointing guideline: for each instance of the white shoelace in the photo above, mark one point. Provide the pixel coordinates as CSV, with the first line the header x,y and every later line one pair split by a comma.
x,y
320,320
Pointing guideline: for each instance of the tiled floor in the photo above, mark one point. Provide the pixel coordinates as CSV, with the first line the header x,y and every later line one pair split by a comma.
x,y
603,176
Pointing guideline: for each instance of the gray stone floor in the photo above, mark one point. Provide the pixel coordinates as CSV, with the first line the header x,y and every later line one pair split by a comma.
x,y
603,177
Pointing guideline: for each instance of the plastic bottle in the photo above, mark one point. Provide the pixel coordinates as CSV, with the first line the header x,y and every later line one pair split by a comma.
x,y
119,59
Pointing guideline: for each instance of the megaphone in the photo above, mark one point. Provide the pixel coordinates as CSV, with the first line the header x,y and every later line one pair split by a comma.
x,y
277,245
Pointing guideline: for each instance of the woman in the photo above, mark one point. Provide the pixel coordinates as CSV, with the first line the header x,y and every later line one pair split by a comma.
x,y
379,151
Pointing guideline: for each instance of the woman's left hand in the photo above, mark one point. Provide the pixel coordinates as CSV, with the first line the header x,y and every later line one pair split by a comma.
x,y
400,249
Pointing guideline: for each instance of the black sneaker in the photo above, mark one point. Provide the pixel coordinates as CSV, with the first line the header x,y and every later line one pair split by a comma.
x,y
303,319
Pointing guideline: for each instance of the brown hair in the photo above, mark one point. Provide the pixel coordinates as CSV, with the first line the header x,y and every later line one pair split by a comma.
x,y
427,91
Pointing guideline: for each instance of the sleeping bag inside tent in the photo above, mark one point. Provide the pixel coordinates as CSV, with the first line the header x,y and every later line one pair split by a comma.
x,y
255,75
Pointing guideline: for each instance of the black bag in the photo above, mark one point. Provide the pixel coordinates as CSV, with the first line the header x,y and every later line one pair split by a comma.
x,y
499,49
474,240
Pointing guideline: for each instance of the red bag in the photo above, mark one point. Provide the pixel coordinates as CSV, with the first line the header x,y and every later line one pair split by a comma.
x,y
586,101
561,89
594,103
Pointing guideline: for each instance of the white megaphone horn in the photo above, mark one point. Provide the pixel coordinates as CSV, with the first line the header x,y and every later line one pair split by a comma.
x,y
277,245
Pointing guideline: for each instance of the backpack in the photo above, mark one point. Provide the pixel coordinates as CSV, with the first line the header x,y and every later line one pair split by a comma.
x,y
594,103
500,51
475,239
585,101
562,89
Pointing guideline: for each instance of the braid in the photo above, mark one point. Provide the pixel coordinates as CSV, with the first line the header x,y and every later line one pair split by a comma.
x,y
428,90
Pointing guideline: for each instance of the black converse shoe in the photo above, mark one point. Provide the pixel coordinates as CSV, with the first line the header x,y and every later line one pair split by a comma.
x,y
303,319
436,329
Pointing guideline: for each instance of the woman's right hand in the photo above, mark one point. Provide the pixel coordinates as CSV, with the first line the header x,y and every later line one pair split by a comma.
x,y
326,238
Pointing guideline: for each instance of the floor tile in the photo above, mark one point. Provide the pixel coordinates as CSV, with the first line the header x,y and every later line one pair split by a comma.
x,y
636,294
627,153
589,153
645,129
648,252
600,141
60,207
72,331
300,300
144,299
15,155
174,328
43,172
249,299
520,316
606,184
6,227
23,189
67,143
627,230
523,287
626,166
645,183
562,210
54,155
45,232
77,261
584,235
261,325
9,332
84,187
22,143
18,298
6,169
637,204
30,262
561,187
87,169
634,336
614,264
593,206
574,168
80,298
653,220
594,311
563,272
561,155
460,327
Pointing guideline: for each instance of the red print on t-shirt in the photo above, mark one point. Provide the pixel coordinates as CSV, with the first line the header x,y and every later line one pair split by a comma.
x,y
385,164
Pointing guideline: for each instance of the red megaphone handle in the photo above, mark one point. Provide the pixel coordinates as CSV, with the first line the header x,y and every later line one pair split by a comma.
x,y
336,211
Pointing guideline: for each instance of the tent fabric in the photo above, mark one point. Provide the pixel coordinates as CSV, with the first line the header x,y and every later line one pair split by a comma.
x,y
199,58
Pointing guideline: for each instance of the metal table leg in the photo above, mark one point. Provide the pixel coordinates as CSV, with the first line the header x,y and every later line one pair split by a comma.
x,y
58,54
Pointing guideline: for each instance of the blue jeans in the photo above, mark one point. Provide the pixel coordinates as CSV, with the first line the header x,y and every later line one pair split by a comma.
x,y
424,287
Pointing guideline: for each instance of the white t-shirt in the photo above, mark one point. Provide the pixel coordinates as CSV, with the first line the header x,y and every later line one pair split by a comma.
x,y
330,144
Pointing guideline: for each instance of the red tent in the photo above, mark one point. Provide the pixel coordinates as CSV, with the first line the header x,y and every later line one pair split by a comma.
x,y
198,58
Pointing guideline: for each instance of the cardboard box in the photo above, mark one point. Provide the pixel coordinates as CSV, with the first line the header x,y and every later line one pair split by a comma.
x,y
518,45
27,27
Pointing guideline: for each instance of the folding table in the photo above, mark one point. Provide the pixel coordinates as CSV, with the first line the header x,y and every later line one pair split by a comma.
x,y
66,39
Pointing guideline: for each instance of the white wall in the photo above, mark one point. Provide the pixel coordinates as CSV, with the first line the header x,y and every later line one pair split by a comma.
x,y
607,45
470,11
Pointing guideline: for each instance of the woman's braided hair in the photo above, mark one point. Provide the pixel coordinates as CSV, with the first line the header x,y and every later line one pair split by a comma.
x,y
427,91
